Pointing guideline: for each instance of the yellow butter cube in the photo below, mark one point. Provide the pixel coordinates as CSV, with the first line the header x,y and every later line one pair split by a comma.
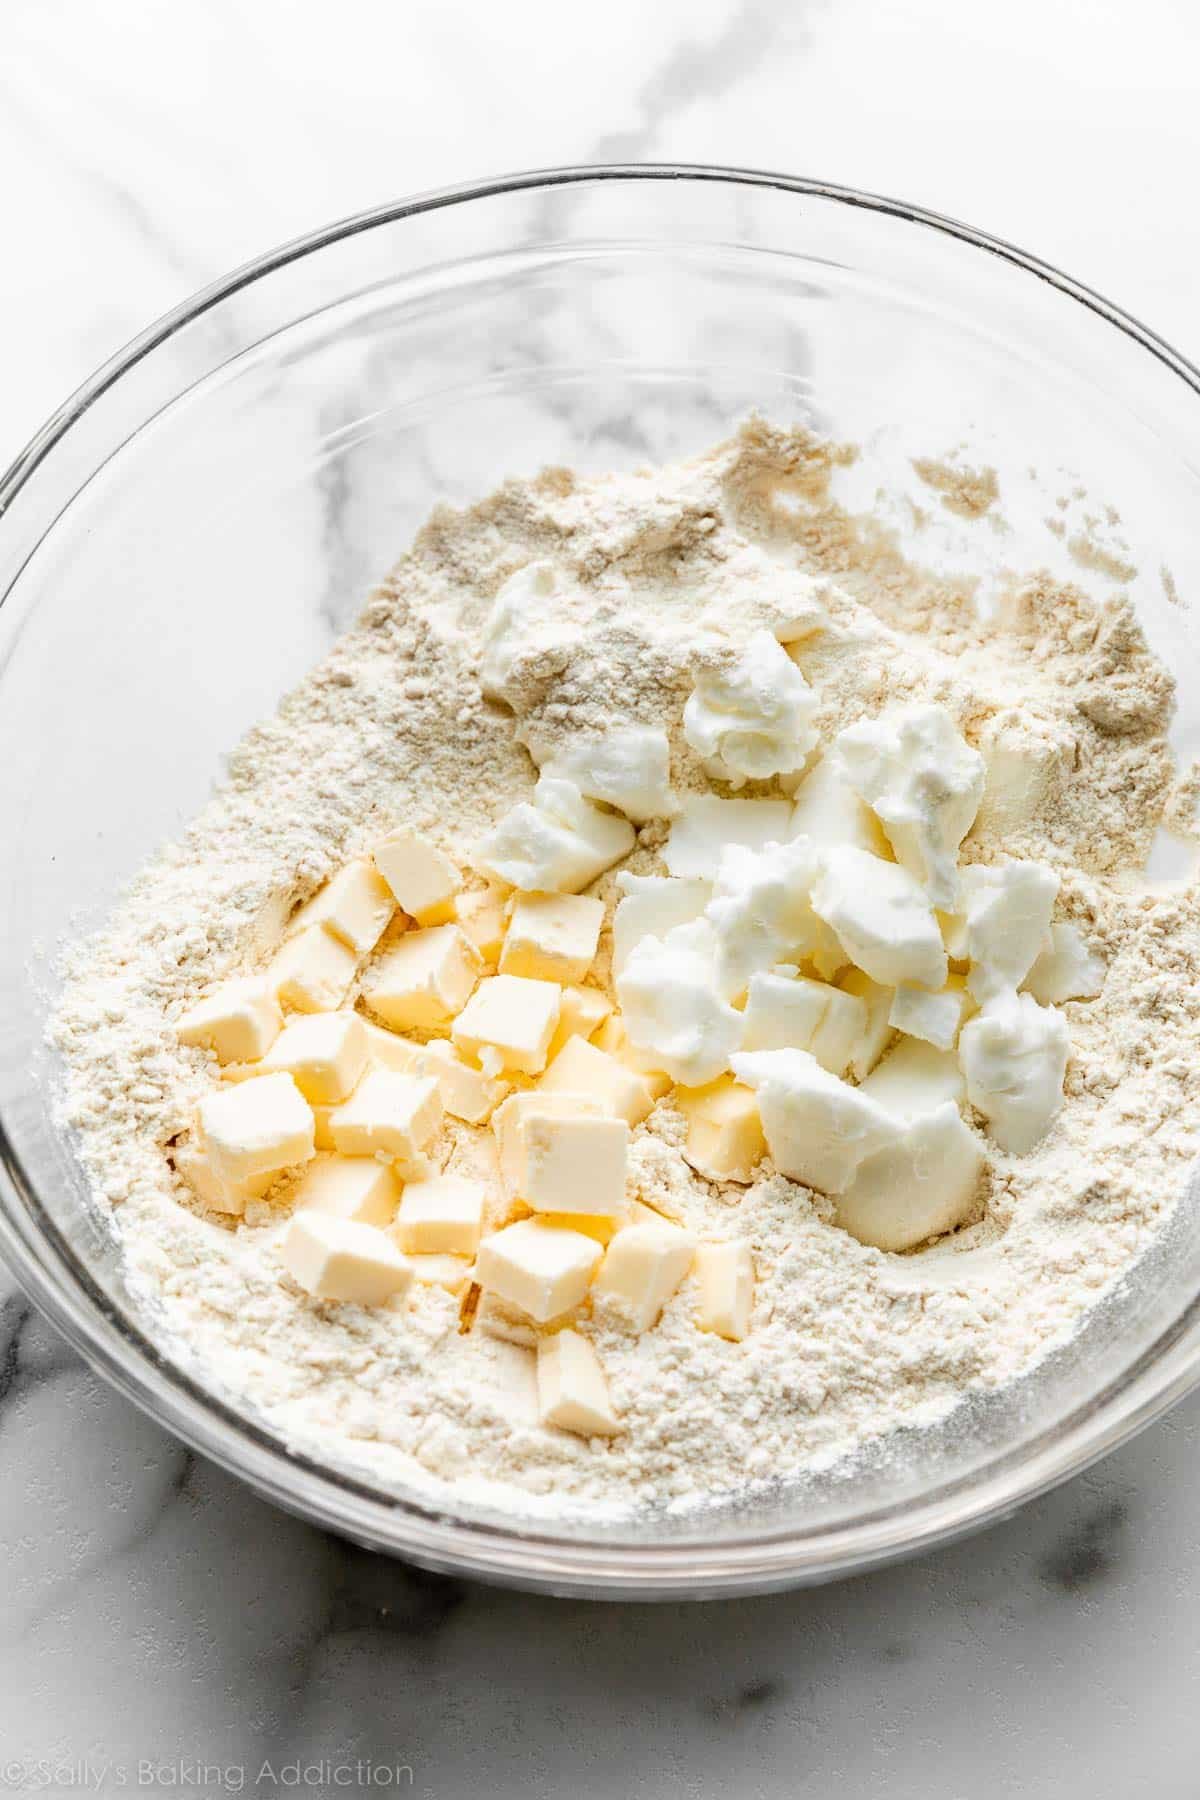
x,y
583,1068
441,1214
240,1020
313,971
725,1135
498,1319
340,1259
725,1283
574,1163
350,1187
387,1050
582,1010
480,913
642,1268
601,1226
466,1092
424,979
572,1392
256,1128
509,1120
449,1272
511,1020
222,1196
356,905
612,1038
325,1054
388,1115
540,1269
552,937
422,877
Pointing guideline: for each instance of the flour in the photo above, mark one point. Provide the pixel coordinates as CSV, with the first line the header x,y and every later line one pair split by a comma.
x,y
657,572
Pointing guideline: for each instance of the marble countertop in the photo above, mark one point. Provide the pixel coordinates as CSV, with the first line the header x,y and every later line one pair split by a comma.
x,y
162,1630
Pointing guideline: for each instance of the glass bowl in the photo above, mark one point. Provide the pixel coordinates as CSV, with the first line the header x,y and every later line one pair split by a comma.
x,y
186,536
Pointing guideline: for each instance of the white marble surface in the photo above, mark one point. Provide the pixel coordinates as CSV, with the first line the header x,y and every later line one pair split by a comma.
x,y
158,1618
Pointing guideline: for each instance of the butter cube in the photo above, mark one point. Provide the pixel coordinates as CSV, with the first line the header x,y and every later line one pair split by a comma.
x,y
350,1187
387,1050
582,1010
510,1120
601,1226
441,1214
425,979
325,1054
725,1135
240,1020
725,1283
574,1163
322,1128
537,1267
552,937
498,1319
583,1068
256,1128
388,1115
340,1259
480,914
450,1272
641,1270
572,1391
512,1016
423,880
613,1039
195,1165
466,1092
313,971
355,905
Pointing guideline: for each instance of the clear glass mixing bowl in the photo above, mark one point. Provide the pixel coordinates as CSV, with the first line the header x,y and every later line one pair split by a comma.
x,y
187,535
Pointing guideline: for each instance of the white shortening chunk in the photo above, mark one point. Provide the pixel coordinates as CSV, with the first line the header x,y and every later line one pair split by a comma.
x,y
340,1259
349,1187
818,1129
725,1284
556,843
256,1128
938,1018
707,825
240,1020
572,1391
882,918
642,1268
355,905
1066,971
581,1011
195,1165
467,1093
827,811
915,1078
388,1115
521,623
674,1013
1007,912
754,717
540,1268
725,1135
420,876
424,979
312,972
440,1215
583,1068
510,1021
878,1031
480,914
325,1055
924,783
552,937
919,1187
790,1012
574,1163
509,1120
628,766
653,905
761,914
1014,1055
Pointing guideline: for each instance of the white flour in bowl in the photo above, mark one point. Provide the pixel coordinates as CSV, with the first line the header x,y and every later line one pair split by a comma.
x,y
848,1343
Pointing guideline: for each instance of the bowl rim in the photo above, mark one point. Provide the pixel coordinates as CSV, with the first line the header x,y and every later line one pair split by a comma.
x,y
532,1555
